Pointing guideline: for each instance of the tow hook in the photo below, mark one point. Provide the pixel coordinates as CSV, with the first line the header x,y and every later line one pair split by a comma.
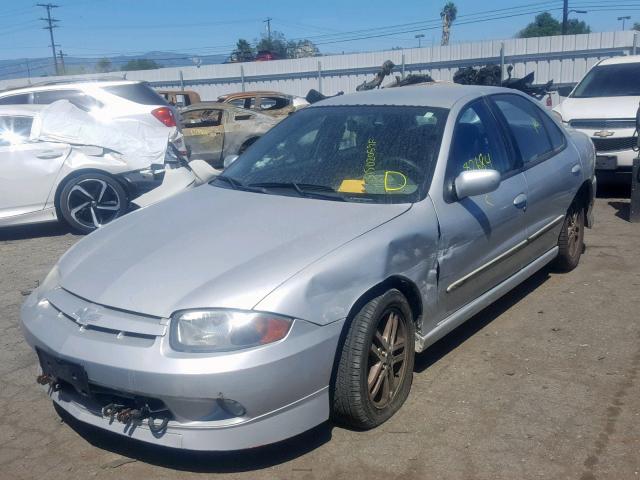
x,y
126,415
45,379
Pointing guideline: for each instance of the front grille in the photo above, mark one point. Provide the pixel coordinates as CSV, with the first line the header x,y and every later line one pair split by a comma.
x,y
603,123
614,144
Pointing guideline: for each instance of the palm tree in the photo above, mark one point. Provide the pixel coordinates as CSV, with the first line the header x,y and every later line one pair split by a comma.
x,y
448,14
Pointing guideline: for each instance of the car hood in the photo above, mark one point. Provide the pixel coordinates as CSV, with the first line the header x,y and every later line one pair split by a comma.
x,y
599,107
211,247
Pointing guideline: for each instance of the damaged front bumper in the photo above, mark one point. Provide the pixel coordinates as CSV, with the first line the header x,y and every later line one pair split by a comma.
x,y
222,401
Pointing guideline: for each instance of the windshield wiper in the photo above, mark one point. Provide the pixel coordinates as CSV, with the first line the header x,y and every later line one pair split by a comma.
x,y
303,189
237,184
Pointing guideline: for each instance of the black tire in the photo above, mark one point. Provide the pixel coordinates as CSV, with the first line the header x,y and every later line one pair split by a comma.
x,y
571,239
91,200
355,402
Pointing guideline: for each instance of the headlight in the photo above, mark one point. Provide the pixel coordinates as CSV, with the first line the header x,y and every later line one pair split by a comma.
x,y
223,330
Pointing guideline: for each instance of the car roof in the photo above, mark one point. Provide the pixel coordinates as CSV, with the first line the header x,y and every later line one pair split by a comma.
x,y
253,93
436,95
20,110
38,87
620,60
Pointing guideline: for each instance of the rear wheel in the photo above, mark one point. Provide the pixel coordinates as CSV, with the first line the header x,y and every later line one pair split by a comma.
x,y
92,200
375,367
571,240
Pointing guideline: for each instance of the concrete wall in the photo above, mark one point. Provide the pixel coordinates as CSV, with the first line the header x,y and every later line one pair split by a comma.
x,y
564,59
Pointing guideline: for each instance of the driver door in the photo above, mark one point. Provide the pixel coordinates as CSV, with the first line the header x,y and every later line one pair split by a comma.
x,y
203,131
28,170
480,235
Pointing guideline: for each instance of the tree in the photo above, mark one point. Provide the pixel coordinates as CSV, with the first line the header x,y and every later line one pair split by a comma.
x,y
545,25
301,49
244,52
140,64
448,15
103,65
276,44
636,26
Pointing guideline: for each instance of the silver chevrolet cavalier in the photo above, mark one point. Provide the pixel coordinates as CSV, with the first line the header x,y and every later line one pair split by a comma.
x,y
299,284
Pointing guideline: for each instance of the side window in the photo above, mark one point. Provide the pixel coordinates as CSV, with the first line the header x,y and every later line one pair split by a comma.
x,y
202,118
14,129
555,135
526,126
238,102
20,99
273,103
79,99
477,143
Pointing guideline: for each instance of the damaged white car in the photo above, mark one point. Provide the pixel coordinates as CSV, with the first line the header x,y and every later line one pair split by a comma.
x,y
60,162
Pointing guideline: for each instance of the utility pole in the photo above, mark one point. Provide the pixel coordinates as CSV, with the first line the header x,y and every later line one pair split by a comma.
x,y
50,26
565,16
64,72
268,22
419,36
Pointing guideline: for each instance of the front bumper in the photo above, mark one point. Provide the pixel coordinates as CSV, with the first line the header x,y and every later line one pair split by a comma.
x,y
283,387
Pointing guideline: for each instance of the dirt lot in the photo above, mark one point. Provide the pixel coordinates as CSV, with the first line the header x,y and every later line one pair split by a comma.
x,y
544,384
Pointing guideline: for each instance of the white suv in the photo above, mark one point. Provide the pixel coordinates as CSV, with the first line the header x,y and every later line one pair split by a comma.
x,y
604,105
121,99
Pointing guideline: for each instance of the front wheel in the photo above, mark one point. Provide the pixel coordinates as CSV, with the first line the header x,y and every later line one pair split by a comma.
x,y
571,240
91,200
375,366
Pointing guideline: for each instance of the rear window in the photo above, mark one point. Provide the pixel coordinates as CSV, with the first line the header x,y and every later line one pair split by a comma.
x,y
138,93
76,97
610,81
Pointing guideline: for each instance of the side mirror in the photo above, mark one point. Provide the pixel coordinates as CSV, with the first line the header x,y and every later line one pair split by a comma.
x,y
476,182
229,159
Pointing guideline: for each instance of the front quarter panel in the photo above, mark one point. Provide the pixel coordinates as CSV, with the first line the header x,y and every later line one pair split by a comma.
x,y
325,291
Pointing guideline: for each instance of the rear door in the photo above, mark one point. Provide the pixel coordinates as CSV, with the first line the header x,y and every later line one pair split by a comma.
x,y
28,170
551,168
481,236
203,131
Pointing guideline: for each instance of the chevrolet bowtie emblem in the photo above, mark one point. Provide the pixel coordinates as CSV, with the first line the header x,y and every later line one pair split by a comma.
x,y
603,133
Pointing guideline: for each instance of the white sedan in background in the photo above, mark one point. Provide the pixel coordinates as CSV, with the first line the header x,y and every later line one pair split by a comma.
x,y
59,162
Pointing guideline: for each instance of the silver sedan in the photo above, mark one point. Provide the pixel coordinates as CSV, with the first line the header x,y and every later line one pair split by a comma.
x,y
299,284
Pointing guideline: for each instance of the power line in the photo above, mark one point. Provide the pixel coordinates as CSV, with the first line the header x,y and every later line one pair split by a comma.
x,y
51,24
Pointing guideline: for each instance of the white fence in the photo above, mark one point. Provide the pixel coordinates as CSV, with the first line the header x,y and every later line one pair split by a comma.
x,y
563,59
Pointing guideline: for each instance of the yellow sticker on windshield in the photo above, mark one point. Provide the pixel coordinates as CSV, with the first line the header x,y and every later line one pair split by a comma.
x,y
394,181
352,186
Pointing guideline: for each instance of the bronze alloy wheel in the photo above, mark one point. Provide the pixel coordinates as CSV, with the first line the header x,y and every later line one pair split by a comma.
x,y
387,358
574,232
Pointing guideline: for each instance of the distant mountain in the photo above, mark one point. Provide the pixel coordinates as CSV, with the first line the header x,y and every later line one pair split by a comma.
x,y
42,67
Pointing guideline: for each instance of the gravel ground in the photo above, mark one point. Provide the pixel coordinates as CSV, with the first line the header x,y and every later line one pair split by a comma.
x,y
543,384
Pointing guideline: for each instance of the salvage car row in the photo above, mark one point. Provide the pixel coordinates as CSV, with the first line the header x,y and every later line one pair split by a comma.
x,y
89,152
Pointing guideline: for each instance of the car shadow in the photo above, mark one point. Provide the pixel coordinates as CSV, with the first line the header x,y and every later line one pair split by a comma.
x,y
202,462
612,185
36,230
476,323
623,209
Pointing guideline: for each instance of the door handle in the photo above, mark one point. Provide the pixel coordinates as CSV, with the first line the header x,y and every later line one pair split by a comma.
x,y
520,201
576,169
48,155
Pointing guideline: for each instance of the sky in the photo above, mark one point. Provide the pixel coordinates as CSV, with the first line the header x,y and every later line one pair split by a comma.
x,y
96,28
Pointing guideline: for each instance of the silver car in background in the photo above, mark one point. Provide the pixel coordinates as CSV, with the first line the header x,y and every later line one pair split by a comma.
x,y
299,284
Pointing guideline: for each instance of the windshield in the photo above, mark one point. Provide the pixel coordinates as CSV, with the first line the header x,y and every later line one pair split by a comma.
x,y
383,154
610,81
